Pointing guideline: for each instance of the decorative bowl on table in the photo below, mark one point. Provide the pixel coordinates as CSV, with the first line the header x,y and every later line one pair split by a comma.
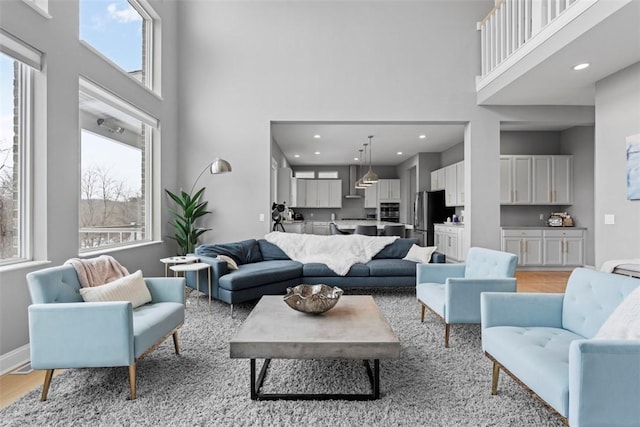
x,y
313,299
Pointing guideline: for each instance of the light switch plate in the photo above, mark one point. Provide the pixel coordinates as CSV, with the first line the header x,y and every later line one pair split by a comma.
x,y
609,219
261,217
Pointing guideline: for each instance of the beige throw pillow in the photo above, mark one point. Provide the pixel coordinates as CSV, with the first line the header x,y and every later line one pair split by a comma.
x,y
624,322
129,288
231,264
420,254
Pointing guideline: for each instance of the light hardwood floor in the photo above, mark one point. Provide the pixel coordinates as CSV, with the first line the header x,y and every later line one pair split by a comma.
x,y
13,387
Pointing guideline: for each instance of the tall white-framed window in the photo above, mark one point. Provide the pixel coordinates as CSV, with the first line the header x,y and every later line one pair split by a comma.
x,y
122,31
116,192
18,63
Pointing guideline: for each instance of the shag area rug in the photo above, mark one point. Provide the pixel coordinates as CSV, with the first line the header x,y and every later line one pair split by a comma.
x,y
427,386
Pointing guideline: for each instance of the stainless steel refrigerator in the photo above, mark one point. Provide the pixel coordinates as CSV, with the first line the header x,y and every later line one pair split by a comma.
x,y
429,208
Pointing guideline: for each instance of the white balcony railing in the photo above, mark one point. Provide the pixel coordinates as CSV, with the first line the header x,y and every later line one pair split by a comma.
x,y
511,23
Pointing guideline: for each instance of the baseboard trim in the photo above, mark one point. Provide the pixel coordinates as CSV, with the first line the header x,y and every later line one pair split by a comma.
x,y
14,359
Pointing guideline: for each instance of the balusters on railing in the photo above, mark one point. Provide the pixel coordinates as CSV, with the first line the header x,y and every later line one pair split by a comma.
x,y
511,23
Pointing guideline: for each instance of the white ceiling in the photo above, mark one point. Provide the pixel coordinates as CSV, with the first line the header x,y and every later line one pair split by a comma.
x,y
339,142
609,46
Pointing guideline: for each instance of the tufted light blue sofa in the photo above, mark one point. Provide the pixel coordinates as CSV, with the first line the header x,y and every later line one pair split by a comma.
x,y
452,291
66,332
544,342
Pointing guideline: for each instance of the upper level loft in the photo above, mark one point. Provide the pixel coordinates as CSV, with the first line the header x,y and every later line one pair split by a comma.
x,y
529,49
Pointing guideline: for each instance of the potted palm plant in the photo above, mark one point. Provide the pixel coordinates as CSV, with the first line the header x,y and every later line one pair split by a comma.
x,y
189,209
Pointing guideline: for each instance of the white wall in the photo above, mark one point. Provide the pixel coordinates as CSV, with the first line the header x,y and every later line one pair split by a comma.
x,y
617,116
58,145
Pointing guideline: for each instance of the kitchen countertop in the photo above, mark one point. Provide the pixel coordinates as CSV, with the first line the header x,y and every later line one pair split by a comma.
x,y
450,224
539,227
351,224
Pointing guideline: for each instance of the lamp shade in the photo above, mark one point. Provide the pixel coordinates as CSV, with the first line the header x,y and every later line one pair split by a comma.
x,y
370,177
220,166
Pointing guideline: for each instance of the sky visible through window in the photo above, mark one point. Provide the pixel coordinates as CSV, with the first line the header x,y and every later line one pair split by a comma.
x,y
114,28
6,110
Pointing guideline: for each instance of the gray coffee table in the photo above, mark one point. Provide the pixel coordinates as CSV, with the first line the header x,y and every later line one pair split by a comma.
x,y
354,329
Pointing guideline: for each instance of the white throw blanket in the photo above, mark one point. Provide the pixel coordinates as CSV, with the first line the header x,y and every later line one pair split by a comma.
x,y
338,252
609,266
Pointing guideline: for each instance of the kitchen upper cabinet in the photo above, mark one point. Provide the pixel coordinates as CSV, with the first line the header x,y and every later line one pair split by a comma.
x,y
536,180
437,179
299,200
388,190
460,184
321,193
287,188
553,180
515,180
371,196
450,185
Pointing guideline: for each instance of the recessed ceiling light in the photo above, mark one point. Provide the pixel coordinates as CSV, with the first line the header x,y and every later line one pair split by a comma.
x,y
356,159
316,136
399,153
316,153
581,66
422,136
296,156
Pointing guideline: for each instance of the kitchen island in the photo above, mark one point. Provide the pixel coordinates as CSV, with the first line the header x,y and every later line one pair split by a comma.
x,y
322,227
350,225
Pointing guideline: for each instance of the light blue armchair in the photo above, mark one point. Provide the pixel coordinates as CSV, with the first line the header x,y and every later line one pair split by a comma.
x,y
66,332
546,343
452,291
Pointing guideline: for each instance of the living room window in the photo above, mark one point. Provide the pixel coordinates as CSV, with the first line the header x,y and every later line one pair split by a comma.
x,y
115,187
121,31
18,62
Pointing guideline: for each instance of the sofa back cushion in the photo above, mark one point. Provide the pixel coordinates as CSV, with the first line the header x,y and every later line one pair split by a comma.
x,y
396,250
54,284
590,298
271,252
482,263
243,252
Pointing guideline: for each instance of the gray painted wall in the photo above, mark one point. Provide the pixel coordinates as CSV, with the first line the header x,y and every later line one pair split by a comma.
x,y
530,142
453,155
617,116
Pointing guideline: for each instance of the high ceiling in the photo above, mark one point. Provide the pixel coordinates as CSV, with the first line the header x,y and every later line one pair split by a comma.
x,y
339,143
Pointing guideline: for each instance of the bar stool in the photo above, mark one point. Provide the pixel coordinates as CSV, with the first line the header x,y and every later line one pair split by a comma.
x,y
393,230
367,230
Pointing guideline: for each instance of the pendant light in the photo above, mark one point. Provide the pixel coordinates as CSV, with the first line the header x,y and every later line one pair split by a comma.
x,y
359,185
370,177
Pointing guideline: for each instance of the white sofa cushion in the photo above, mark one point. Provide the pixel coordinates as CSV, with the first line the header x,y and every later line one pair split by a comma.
x,y
420,254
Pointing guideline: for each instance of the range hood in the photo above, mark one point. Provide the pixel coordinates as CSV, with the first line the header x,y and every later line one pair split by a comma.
x,y
353,177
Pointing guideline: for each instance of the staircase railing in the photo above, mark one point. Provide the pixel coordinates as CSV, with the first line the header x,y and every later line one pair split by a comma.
x,y
511,23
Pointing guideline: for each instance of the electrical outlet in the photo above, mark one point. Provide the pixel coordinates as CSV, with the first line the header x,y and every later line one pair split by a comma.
x,y
541,217
261,217
311,214
609,219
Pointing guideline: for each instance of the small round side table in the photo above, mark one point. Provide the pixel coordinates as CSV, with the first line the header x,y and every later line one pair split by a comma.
x,y
195,266
173,260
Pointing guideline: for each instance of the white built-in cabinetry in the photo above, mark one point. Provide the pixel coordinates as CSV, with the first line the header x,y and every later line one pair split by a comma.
x,y
536,180
388,190
371,197
449,240
451,180
545,247
308,193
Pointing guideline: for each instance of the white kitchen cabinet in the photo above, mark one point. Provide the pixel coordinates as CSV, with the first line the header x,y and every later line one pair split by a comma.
x,y
321,193
299,193
545,247
450,241
552,180
287,188
450,187
525,243
294,227
437,179
388,190
515,180
460,184
371,196
563,247
320,227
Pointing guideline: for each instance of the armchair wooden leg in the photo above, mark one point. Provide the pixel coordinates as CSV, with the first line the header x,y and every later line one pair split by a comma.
x,y
422,309
447,328
132,381
47,382
494,378
175,342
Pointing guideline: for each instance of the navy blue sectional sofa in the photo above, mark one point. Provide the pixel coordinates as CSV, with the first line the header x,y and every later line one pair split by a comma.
x,y
264,269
